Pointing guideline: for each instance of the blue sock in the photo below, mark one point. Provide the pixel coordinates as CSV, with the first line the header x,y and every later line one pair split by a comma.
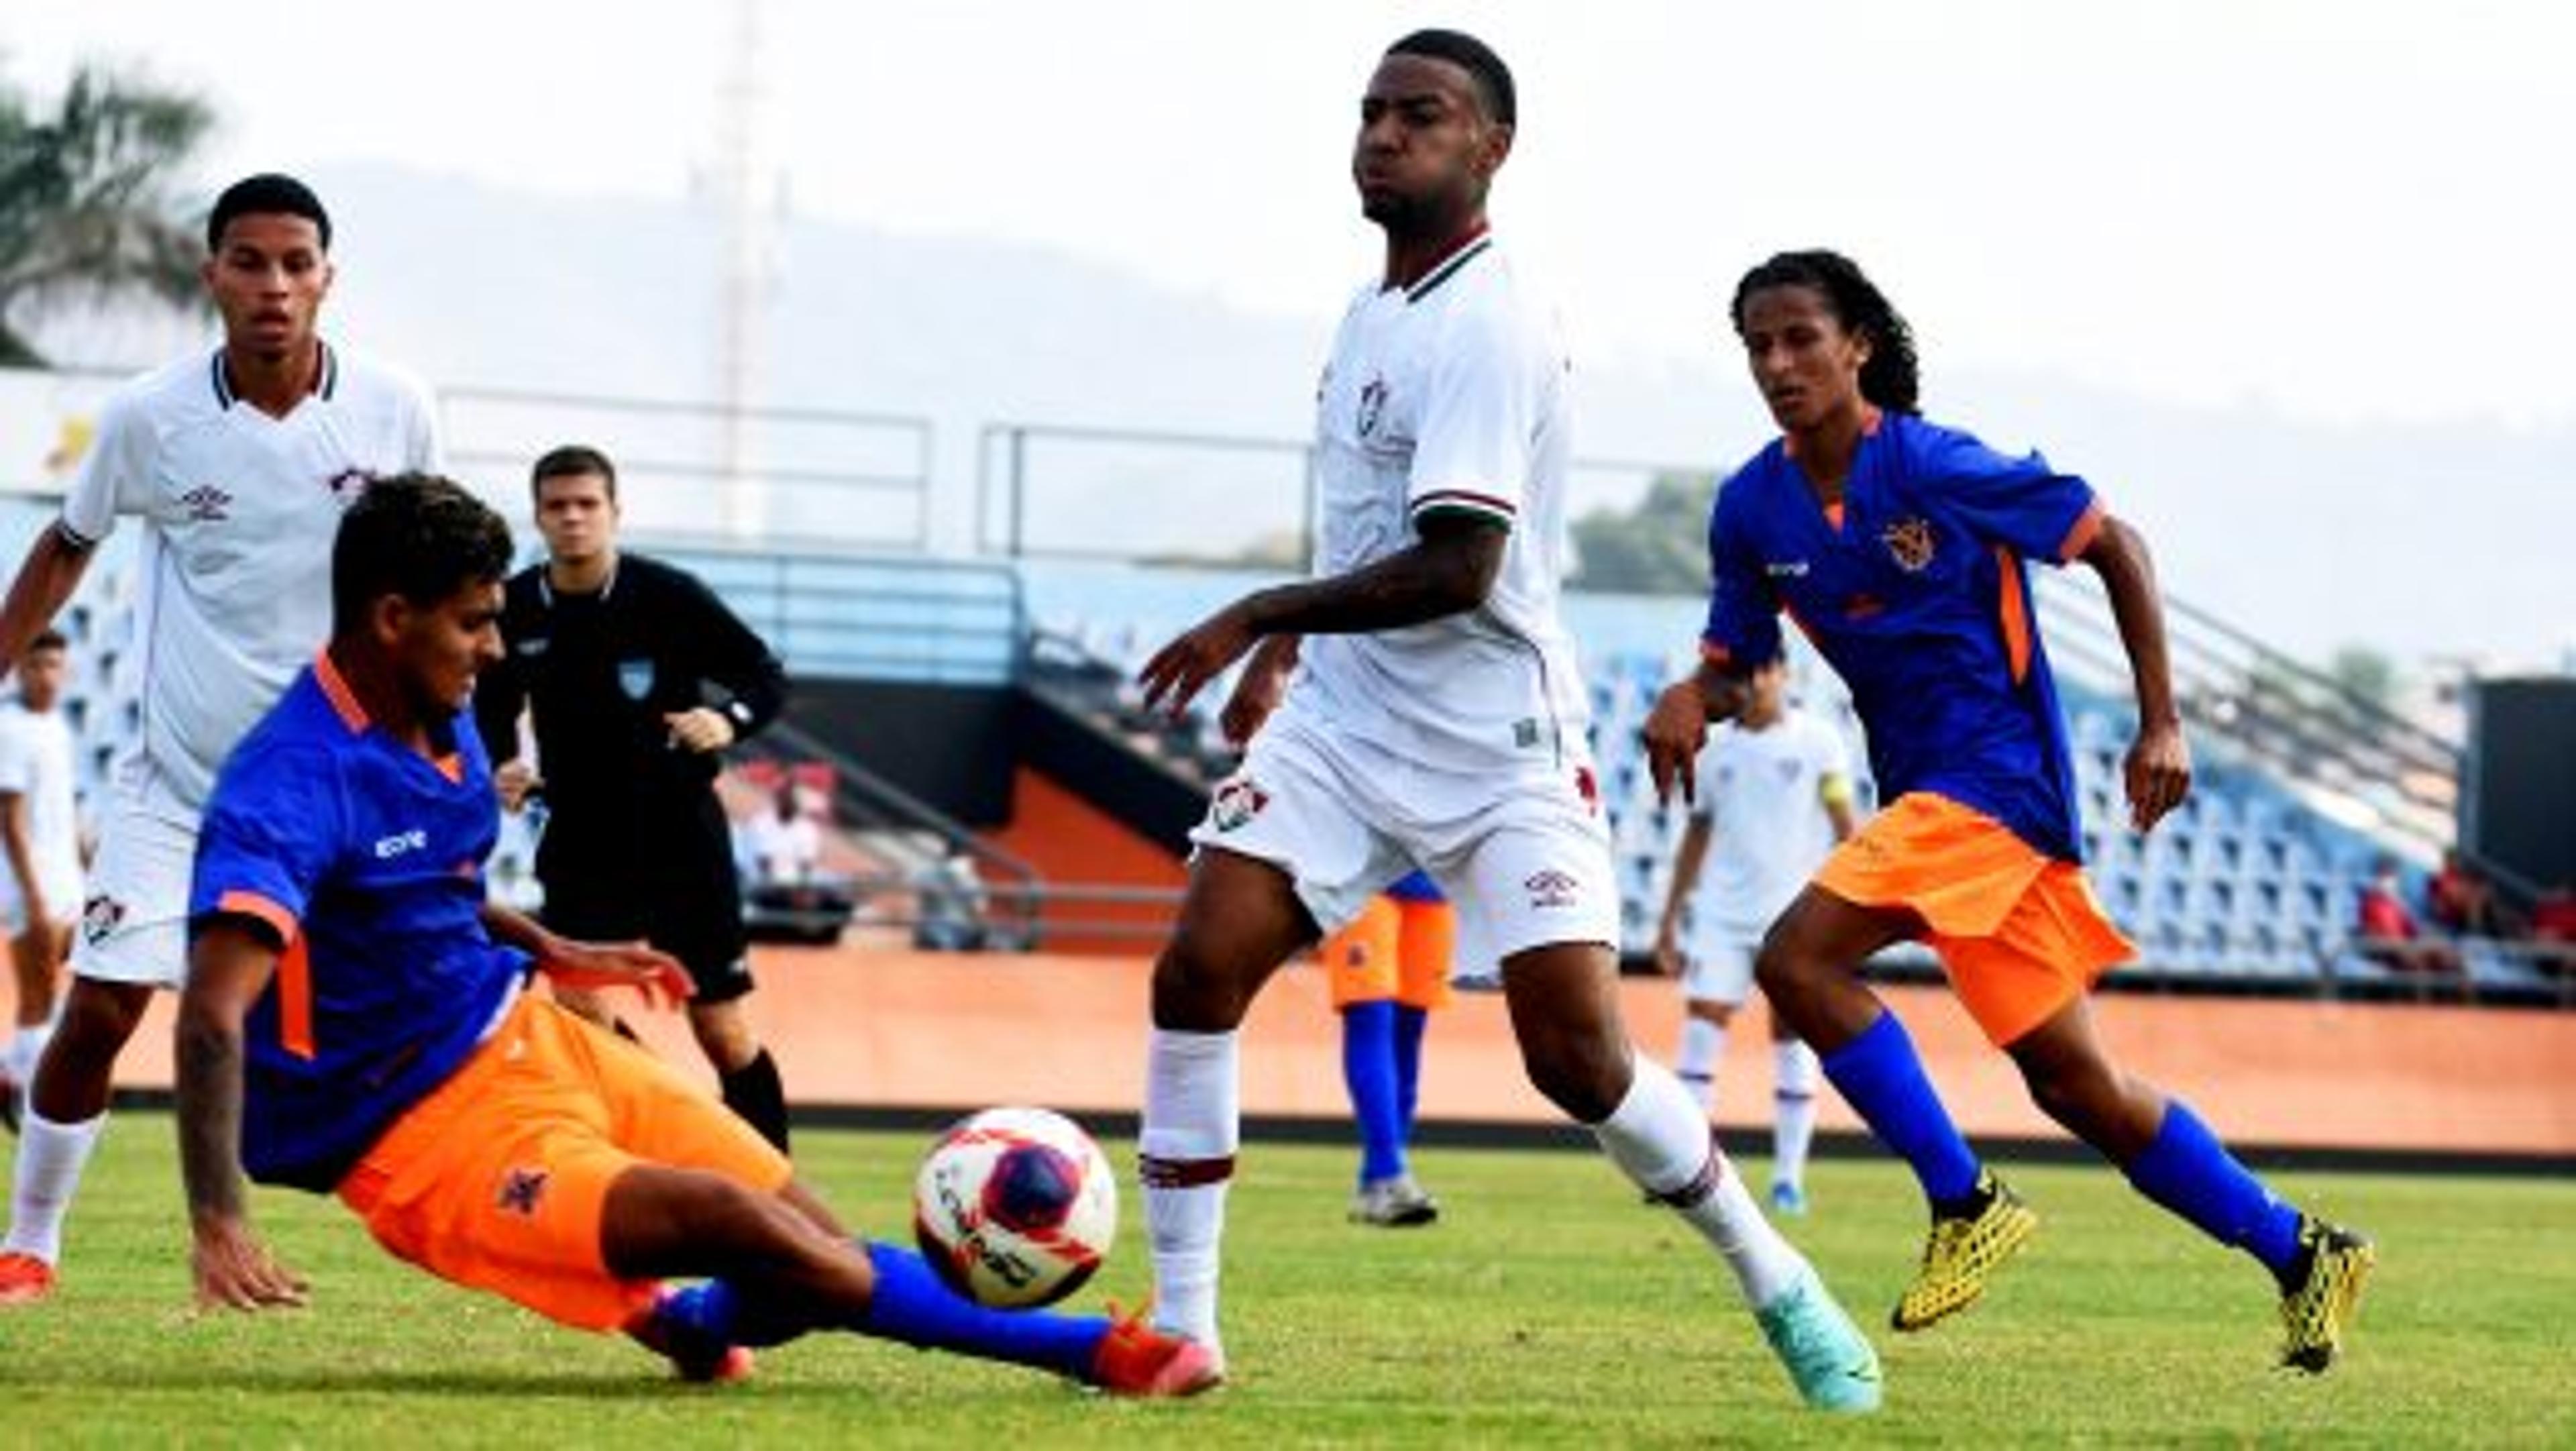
x,y
2187,1170
1881,1076
912,1305
1409,1023
1368,1070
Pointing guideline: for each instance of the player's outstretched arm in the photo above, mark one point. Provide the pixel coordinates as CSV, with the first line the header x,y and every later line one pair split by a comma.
x,y
51,571
2157,773
655,975
1680,721
229,964
1449,568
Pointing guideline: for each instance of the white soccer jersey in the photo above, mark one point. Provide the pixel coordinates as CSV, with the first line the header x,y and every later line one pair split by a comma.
x,y
234,574
36,765
1764,792
1449,395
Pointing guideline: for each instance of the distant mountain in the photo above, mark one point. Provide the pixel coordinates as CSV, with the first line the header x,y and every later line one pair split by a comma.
x,y
2451,539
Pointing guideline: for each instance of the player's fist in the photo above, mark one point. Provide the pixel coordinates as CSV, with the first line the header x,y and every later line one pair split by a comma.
x,y
512,781
1673,732
699,729
2157,773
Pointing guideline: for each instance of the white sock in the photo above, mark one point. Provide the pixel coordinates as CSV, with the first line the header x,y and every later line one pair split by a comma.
x,y
1703,1047
50,1159
1192,1125
25,1048
1793,1123
1659,1138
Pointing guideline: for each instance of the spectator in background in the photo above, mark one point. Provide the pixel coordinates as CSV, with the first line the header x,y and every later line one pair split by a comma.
x,y
40,830
2554,919
951,902
786,844
2459,900
2387,932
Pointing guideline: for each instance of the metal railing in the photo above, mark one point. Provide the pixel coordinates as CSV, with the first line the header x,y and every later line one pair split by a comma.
x,y
867,616
2348,757
824,477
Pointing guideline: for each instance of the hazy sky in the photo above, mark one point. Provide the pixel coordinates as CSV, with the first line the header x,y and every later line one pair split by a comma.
x,y
2343,209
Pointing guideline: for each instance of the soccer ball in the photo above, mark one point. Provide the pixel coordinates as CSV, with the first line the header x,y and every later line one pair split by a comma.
x,y
1015,1207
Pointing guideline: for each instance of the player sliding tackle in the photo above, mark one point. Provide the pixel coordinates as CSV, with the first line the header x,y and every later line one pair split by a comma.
x,y
1436,720
356,1021
1898,545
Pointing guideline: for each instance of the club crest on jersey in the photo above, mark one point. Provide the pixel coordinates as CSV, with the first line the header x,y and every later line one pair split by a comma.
x,y
1910,541
206,504
1372,406
99,916
1549,887
1237,801
520,1191
635,677
348,484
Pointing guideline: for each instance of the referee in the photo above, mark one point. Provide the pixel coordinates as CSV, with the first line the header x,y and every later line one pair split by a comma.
x,y
637,677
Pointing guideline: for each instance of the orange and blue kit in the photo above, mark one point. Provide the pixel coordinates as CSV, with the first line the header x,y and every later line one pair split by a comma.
x,y
1915,588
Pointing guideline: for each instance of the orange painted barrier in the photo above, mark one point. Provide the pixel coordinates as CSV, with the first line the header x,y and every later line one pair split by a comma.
x,y
859,1025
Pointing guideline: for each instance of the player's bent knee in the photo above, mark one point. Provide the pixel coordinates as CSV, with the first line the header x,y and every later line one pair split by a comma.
x,y
1585,1076
658,1220
1197,991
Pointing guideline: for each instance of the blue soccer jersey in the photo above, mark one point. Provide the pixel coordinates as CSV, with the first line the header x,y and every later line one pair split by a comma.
x,y
1919,596
366,858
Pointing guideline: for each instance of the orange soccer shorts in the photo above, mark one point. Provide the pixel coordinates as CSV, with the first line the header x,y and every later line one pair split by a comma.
x,y
1393,949
498,1178
2020,934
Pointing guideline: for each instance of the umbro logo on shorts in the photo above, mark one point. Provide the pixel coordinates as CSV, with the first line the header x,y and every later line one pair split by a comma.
x,y
1549,887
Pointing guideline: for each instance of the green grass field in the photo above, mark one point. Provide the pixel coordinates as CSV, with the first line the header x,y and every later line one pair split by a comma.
x,y
1548,1307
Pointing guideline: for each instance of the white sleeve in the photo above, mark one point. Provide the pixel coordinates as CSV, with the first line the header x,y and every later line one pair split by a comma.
x,y
115,476
17,762
1825,749
1480,422
422,453
1704,786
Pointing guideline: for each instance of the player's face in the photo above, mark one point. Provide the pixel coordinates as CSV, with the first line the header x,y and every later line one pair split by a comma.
x,y
578,516
1767,686
443,647
268,277
1425,151
1804,360
40,679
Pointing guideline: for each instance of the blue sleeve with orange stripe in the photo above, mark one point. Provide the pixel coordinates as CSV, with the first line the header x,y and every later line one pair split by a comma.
x,y
2020,503
1743,613
269,838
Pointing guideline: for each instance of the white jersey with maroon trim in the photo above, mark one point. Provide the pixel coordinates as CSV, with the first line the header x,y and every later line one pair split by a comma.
x,y
1449,396
233,577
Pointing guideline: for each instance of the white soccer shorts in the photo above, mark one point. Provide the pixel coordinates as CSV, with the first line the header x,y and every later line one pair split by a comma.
x,y
134,922
1524,856
1718,968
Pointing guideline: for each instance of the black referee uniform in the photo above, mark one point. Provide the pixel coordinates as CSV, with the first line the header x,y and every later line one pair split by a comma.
x,y
636,843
